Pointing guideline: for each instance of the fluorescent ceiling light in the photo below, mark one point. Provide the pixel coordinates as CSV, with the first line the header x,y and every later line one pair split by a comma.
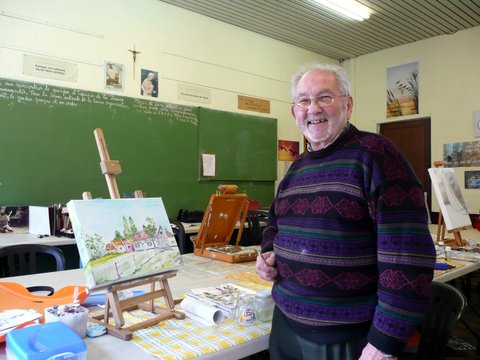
x,y
349,8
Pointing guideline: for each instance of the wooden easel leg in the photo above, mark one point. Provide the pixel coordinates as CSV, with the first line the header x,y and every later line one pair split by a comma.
x,y
440,228
458,239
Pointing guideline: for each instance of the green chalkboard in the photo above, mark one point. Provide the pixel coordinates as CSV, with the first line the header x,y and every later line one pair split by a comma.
x,y
244,146
48,151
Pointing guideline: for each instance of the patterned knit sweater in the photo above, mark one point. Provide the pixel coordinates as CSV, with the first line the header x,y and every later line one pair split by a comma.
x,y
349,230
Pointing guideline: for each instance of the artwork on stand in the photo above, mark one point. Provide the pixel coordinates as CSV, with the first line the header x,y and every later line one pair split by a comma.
x,y
123,239
450,198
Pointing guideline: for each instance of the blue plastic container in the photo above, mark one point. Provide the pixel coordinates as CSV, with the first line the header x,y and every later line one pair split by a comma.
x,y
53,340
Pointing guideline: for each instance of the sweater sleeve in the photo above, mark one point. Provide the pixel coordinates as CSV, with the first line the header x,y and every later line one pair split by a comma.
x,y
405,253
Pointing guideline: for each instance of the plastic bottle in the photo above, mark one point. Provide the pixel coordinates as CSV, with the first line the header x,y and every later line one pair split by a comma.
x,y
245,314
440,250
448,253
264,305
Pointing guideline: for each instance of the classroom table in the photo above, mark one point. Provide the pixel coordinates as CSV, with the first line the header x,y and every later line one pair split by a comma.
x,y
9,239
196,272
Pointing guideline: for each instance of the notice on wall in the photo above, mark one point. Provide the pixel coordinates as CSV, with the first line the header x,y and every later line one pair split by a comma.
x,y
194,93
49,68
208,164
253,104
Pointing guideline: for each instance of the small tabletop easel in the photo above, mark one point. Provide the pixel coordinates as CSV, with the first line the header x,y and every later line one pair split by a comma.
x,y
441,229
113,305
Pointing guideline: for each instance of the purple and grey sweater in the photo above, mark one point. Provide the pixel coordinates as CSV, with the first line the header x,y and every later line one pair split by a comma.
x,y
349,230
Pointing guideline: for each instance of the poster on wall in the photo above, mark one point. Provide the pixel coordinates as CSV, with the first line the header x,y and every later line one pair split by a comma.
x,y
461,154
287,150
149,83
472,179
114,75
402,90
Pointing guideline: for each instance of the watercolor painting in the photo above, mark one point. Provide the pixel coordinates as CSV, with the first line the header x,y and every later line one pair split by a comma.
x,y
402,90
462,154
450,198
288,150
123,239
472,179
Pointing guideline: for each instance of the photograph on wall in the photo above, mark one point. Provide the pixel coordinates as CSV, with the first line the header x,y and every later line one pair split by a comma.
x,y
402,90
450,198
114,75
472,179
464,154
14,219
149,83
122,239
288,150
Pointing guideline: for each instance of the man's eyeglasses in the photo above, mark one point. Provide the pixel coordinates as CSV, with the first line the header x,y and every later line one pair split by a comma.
x,y
321,100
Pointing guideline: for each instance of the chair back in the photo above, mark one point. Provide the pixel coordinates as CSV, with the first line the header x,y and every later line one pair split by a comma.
x,y
447,304
179,232
18,260
253,231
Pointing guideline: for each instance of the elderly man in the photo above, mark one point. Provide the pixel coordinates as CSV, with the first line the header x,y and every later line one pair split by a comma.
x,y
347,244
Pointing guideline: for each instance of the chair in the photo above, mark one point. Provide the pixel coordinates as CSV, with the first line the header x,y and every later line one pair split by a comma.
x,y
253,231
447,304
18,260
179,232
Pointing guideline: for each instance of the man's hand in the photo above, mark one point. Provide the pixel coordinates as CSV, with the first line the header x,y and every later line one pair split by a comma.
x,y
370,352
265,266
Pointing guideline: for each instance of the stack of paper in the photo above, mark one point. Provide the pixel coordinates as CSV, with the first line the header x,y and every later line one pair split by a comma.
x,y
223,297
16,318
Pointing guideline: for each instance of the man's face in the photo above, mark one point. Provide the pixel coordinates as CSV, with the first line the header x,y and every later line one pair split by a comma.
x,y
320,124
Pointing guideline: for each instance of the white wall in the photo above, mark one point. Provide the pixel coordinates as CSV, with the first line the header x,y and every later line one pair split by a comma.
x,y
188,48
182,46
449,77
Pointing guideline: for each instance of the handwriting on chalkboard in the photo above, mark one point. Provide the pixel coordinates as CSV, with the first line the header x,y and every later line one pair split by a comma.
x,y
47,95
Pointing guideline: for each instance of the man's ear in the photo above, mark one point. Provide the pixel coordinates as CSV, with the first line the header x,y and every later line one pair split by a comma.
x,y
292,110
349,107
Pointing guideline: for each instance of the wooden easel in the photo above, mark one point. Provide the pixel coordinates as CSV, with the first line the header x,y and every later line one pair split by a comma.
x,y
113,305
441,229
457,236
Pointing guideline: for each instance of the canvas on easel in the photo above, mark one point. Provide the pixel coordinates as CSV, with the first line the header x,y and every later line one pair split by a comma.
x,y
453,211
126,243
122,239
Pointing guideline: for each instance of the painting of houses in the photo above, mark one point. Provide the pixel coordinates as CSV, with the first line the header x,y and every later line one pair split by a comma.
x,y
123,239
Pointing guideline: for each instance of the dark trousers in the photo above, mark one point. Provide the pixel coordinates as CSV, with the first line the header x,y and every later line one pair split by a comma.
x,y
286,344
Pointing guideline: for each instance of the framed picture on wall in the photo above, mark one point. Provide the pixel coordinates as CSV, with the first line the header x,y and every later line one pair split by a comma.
x,y
402,90
114,75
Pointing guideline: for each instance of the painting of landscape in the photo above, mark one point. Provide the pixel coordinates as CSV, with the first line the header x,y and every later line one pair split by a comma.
x,y
122,239
402,90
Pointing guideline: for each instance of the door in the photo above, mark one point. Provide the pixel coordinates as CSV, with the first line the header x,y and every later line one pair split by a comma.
x,y
412,137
